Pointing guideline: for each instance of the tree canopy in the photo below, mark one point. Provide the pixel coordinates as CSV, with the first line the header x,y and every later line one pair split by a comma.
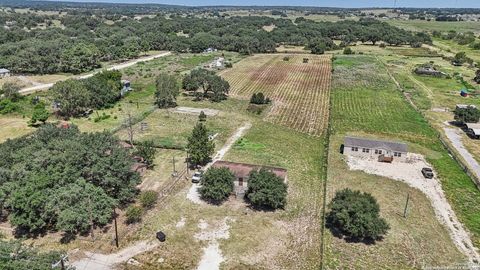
x,y
212,85
356,215
74,97
200,148
15,256
469,114
61,179
84,41
266,190
217,184
167,91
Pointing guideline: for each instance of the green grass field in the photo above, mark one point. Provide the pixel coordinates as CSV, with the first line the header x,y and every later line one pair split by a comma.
x,y
420,25
366,102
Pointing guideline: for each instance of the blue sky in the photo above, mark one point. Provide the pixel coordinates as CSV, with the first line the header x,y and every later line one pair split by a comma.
x,y
321,3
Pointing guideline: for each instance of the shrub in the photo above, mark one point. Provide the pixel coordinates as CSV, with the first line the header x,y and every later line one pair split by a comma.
x,y
228,64
202,117
286,58
217,185
148,198
265,189
7,106
382,45
147,151
467,115
348,51
134,213
259,99
356,215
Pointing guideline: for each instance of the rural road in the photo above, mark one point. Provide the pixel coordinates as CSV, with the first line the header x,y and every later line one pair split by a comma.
x,y
97,261
456,139
40,87
193,194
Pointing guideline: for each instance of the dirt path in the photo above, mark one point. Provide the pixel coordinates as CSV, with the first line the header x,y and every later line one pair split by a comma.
x,y
97,261
192,194
456,140
45,86
212,255
410,173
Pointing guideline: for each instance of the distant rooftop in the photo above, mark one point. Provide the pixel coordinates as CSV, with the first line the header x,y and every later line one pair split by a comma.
x,y
375,144
4,70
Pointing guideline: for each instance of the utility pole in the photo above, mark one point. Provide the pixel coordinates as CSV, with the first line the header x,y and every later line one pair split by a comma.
x,y
61,263
90,214
188,169
116,229
406,206
173,161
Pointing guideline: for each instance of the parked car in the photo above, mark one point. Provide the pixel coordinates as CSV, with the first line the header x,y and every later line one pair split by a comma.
x,y
427,173
197,176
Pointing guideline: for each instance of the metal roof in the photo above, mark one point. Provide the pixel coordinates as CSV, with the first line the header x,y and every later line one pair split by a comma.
x,y
375,144
4,70
475,127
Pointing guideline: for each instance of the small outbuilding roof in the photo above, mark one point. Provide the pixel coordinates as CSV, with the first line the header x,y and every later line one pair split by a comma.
x,y
475,127
375,144
242,170
4,70
465,106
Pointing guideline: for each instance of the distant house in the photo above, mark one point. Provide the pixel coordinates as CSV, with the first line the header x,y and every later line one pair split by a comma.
x,y
218,63
4,73
379,149
464,106
209,50
242,171
429,71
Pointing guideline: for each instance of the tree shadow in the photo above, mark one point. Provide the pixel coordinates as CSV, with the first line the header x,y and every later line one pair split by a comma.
x,y
340,234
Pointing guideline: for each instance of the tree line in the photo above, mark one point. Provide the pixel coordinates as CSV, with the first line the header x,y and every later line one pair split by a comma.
x,y
86,41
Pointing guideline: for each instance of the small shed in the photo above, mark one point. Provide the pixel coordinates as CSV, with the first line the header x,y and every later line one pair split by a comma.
x,y
473,129
464,106
4,73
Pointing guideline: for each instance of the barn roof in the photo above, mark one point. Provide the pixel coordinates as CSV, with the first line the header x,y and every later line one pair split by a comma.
x,y
375,144
242,170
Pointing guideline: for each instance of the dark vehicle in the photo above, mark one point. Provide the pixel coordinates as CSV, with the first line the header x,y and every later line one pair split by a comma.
x,y
161,236
427,173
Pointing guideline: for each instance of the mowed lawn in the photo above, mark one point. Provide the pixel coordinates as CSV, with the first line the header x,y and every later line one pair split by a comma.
x,y
299,90
365,102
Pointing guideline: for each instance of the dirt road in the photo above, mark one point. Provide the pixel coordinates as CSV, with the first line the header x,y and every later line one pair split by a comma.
x,y
97,261
193,194
456,140
41,87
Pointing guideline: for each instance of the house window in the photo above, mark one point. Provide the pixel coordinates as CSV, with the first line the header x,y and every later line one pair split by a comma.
x,y
240,181
378,152
355,149
397,154
366,150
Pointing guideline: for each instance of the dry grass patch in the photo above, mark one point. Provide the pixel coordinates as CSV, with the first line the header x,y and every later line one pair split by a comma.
x,y
13,127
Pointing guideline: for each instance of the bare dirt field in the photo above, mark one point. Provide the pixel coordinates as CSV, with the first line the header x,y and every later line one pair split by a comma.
x,y
409,172
300,91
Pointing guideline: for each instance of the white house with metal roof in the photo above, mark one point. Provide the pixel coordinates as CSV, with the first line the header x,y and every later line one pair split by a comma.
x,y
377,149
